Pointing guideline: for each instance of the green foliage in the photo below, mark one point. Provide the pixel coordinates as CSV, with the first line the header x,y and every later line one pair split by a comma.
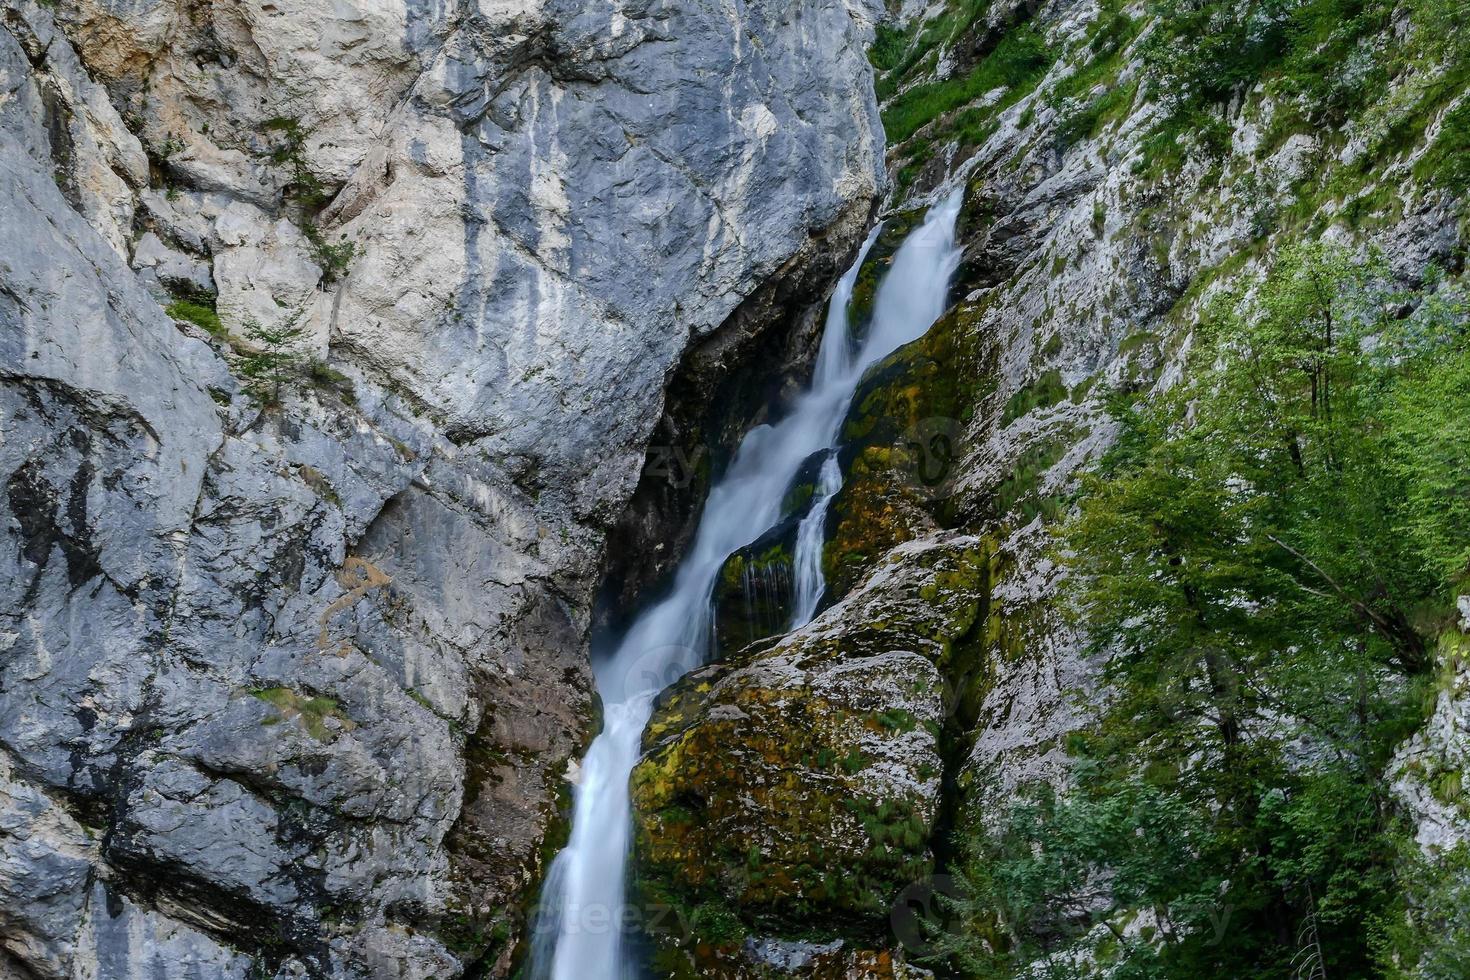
x,y
1045,391
1204,51
899,53
1091,97
288,150
1426,436
1427,933
889,45
1282,476
200,314
1261,555
1447,160
271,357
1321,62
1111,105
1016,65
717,923
1030,886
334,257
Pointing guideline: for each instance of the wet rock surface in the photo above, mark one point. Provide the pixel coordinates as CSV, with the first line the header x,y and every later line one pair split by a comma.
x,y
793,788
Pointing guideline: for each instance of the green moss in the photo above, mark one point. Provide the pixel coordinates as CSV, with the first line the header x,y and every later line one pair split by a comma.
x,y
1016,65
329,379
1016,493
752,596
312,712
199,314
1136,341
717,923
1044,392
821,858
896,720
797,498
470,935
904,436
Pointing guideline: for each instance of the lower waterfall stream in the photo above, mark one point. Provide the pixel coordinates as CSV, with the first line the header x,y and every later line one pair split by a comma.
x,y
580,932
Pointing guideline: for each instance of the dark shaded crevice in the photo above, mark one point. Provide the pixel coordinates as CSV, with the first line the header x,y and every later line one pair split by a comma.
x,y
233,917
967,676
14,968
739,376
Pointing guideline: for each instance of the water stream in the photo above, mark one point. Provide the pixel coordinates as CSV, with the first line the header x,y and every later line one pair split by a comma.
x,y
584,920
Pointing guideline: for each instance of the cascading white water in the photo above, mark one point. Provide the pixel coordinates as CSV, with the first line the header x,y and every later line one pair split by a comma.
x,y
810,537
583,918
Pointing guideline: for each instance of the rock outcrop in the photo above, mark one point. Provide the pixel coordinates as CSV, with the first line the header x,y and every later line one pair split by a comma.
x,y
795,785
299,573
1092,244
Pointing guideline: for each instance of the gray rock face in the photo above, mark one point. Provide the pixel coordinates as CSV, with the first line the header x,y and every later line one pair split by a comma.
x,y
290,689
1084,272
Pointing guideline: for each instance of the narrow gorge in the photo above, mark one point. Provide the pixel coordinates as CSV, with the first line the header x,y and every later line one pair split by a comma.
x,y
574,490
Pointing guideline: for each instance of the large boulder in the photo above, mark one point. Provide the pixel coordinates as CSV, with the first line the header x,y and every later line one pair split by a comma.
x,y
794,788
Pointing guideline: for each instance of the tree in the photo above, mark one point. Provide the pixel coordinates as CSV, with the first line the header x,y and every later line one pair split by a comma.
x,y
270,357
1258,555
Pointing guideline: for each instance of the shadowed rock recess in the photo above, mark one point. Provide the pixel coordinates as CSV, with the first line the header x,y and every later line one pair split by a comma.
x,y
334,338
358,361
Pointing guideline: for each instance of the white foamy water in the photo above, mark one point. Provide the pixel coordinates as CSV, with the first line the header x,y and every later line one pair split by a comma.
x,y
810,583
584,919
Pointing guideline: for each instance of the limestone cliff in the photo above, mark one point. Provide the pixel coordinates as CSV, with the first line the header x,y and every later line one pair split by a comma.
x,y
333,342
1097,227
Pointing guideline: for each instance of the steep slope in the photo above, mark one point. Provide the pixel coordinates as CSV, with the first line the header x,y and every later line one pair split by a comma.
x,y
1121,171
300,574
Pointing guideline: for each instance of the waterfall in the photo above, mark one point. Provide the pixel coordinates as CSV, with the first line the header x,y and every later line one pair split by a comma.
x,y
810,583
583,920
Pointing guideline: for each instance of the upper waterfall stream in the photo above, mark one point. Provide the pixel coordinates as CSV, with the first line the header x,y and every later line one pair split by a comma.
x,y
580,932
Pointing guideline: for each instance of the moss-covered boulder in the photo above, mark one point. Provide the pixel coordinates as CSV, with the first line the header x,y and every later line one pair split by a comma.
x,y
903,442
752,599
754,596
792,791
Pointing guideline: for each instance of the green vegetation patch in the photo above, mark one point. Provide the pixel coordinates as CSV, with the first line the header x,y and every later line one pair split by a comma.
x,y
200,314
1269,557
1044,392
312,712
1016,65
